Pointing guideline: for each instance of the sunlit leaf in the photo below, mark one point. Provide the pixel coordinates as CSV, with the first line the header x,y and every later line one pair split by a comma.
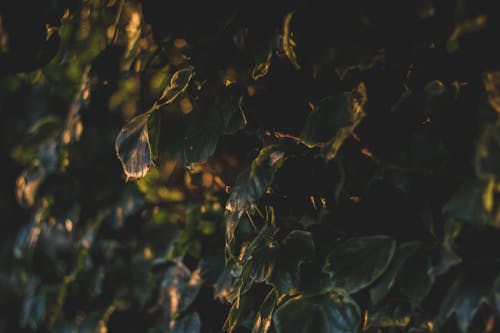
x,y
178,84
237,313
334,119
264,316
289,42
358,262
250,185
133,148
333,312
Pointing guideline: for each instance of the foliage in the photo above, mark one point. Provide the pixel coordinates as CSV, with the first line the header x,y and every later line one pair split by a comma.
x,y
267,167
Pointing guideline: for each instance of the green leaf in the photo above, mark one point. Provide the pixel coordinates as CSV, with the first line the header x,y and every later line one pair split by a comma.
x,y
234,116
264,316
178,84
261,254
334,119
466,295
313,280
333,312
358,262
250,185
415,278
133,148
384,285
202,135
296,248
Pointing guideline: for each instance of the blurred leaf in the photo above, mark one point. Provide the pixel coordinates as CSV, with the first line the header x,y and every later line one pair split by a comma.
x,y
358,262
492,86
27,185
188,324
333,312
179,289
466,295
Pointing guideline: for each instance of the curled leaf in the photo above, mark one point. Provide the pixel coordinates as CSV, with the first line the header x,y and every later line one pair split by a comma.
x,y
289,42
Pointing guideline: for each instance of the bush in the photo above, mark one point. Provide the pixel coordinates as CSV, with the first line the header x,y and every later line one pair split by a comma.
x,y
267,167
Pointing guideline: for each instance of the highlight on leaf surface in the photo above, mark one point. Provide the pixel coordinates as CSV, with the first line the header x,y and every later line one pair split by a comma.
x,y
133,148
331,122
178,84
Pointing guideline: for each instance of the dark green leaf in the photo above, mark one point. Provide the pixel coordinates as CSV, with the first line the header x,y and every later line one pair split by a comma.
x,y
384,285
202,135
333,312
296,248
358,262
334,119
234,116
415,278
